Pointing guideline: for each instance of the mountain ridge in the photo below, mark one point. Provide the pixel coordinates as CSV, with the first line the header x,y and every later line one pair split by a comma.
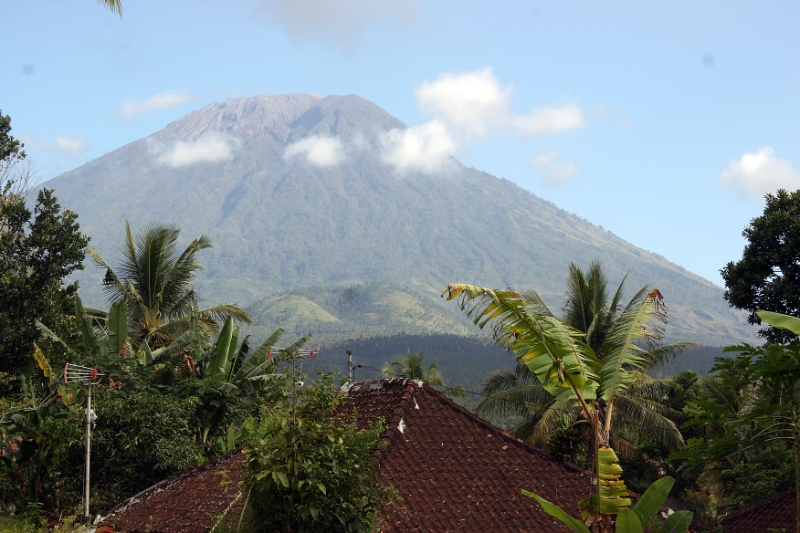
x,y
283,222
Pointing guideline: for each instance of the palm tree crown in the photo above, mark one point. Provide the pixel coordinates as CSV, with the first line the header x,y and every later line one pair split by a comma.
x,y
640,415
155,282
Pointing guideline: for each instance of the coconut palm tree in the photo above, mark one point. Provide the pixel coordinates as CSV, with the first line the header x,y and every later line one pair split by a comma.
x,y
411,366
640,414
155,282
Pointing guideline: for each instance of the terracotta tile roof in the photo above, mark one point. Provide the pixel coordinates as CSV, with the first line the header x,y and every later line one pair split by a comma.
x,y
454,471
774,513
188,503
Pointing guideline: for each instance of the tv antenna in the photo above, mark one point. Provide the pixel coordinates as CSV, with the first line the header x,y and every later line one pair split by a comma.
x,y
89,377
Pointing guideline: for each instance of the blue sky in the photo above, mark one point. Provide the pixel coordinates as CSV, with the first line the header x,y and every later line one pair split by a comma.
x,y
662,121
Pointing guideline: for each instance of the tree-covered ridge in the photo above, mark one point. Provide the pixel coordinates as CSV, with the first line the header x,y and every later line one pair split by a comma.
x,y
349,311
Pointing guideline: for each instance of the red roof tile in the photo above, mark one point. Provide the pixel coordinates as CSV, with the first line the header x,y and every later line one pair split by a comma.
x,y
454,471
774,513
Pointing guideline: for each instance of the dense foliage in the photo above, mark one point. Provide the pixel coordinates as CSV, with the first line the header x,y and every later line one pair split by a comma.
x,y
311,469
768,275
745,423
37,252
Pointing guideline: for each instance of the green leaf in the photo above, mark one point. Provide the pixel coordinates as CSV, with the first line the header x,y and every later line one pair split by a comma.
x,y
314,512
678,522
86,327
219,363
280,477
780,321
117,327
322,488
555,511
653,498
628,522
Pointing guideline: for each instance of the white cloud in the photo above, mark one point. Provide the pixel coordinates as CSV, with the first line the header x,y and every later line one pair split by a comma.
x,y
475,103
554,172
549,120
321,151
464,107
211,147
158,102
70,144
759,173
472,102
339,22
63,143
426,147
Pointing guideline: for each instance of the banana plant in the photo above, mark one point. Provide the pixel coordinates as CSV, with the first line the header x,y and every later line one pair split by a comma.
x,y
631,520
107,338
570,370
226,369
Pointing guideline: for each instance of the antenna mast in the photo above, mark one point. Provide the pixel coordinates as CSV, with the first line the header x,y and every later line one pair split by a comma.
x,y
86,376
351,366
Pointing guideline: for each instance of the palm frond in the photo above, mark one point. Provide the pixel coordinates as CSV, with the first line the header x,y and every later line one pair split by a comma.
x,y
577,302
514,394
640,420
536,301
553,349
637,324
548,420
221,313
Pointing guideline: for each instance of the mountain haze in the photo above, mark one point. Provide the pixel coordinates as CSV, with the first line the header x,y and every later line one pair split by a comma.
x,y
336,214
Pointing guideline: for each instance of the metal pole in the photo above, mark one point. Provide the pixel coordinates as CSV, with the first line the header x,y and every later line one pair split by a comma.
x,y
350,366
88,448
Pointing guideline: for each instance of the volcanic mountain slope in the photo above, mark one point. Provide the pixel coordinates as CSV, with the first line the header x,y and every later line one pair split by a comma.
x,y
335,213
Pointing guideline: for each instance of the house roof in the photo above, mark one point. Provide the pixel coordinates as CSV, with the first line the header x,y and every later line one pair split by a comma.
x,y
773,514
453,470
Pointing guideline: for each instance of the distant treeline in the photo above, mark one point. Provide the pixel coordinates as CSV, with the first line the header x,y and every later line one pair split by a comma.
x,y
461,360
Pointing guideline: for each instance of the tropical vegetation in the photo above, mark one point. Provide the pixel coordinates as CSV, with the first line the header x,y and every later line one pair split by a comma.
x,y
641,415
570,370
765,278
310,467
155,282
411,367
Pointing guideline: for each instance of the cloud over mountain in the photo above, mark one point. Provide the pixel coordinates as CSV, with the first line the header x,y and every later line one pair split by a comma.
x,y
468,106
210,147
321,151
554,172
63,143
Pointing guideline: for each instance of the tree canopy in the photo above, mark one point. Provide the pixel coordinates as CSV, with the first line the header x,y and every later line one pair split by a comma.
x,y
768,275
37,252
